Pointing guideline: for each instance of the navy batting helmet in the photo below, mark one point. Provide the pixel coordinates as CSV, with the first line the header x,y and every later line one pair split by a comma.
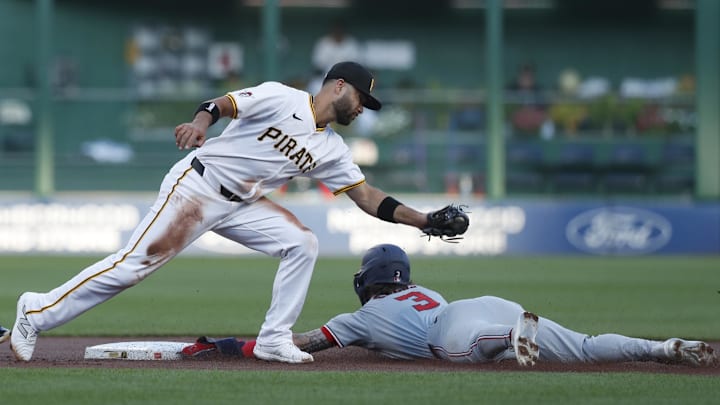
x,y
382,264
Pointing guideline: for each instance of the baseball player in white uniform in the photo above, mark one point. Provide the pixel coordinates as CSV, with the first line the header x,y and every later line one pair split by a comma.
x,y
405,321
276,133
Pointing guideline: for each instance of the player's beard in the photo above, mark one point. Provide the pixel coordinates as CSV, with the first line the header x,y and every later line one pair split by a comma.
x,y
344,111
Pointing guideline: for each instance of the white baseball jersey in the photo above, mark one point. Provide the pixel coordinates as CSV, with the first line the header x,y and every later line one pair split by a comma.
x,y
272,139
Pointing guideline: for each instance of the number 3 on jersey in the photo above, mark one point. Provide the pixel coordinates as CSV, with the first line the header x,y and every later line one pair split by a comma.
x,y
424,302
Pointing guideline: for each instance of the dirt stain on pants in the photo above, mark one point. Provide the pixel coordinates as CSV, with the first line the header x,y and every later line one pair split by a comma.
x,y
177,233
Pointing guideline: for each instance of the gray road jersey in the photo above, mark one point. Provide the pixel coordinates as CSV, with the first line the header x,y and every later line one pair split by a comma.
x,y
395,325
405,324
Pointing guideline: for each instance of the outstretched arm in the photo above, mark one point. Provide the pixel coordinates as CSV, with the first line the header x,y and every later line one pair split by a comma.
x,y
378,204
446,223
313,341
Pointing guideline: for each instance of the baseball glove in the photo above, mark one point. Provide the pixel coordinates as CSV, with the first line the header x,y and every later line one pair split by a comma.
x,y
447,223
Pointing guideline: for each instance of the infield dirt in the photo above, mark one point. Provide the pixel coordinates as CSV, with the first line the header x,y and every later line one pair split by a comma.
x,y
69,352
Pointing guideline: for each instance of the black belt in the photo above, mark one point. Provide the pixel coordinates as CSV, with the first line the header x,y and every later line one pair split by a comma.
x,y
200,168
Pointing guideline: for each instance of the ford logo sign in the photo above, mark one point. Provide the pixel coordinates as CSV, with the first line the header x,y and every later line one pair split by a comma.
x,y
618,231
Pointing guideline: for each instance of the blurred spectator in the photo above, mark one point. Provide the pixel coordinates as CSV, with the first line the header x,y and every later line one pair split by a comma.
x,y
650,119
528,119
336,46
569,82
568,114
64,73
524,88
524,91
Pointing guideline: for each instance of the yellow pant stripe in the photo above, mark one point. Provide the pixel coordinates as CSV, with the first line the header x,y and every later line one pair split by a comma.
x,y
177,183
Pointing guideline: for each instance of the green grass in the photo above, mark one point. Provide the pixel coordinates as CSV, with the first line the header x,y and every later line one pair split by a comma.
x,y
652,297
125,386
655,297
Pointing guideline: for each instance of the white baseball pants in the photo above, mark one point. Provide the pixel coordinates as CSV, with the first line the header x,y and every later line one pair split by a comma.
x,y
186,208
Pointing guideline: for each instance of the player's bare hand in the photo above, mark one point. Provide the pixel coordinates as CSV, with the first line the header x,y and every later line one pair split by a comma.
x,y
189,135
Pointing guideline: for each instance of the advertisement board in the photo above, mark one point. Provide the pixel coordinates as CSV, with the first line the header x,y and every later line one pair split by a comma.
x,y
502,228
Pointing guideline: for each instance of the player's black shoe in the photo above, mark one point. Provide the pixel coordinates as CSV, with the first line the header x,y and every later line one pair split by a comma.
x,y
4,334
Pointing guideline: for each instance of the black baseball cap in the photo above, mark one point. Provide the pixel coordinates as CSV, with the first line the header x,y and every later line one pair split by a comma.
x,y
359,77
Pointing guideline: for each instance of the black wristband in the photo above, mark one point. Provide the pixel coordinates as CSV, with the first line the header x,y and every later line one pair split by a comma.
x,y
210,108
386,209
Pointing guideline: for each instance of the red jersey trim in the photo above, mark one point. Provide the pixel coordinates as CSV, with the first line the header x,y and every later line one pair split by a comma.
x,y
329,336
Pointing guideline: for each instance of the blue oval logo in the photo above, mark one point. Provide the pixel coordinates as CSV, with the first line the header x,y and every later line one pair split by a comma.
x,y
618,231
